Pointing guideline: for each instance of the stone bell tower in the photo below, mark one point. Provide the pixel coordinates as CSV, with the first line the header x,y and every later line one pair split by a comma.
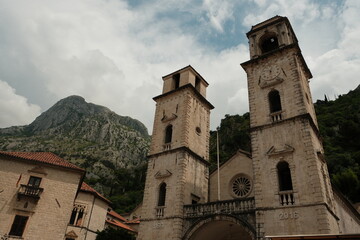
x,y
177,171
293,194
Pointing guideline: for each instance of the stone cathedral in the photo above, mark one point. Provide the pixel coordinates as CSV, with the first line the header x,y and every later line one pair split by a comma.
x,y
282,188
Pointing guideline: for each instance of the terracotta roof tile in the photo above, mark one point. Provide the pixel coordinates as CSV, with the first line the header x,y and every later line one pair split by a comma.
x,y
116,215
42,157
86,188
120,224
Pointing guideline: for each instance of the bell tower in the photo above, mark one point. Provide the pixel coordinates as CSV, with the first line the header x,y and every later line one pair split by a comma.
x,y
177,171
293,194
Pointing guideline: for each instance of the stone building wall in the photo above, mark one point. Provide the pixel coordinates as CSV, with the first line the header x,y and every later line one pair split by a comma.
x,y
238,165
49,216
93,219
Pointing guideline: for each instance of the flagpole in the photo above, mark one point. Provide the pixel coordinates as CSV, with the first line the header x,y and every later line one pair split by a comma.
x,y
218,161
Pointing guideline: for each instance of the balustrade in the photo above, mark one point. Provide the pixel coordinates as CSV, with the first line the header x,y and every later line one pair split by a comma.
x,y
30,191
167,146
159,211
228,206
276,116
286,198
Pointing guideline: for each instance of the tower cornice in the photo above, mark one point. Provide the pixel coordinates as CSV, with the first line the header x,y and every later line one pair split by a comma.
x,y
302,116
187,86
295,46
186,149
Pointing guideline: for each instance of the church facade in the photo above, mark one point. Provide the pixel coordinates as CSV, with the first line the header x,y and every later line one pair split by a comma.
x,y
281,189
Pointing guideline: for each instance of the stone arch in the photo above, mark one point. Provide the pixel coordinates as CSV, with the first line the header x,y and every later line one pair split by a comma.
x,y
274,101
284,176
168,134
221,224
268,42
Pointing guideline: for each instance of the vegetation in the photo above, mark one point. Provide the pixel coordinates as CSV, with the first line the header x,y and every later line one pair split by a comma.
x,y
112,234
125,188
339,123
234,134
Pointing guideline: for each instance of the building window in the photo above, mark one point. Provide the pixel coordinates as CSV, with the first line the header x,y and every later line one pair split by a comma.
x,y
284,175
168,134
176,79
34,181
77,215
275,102
240,186
194,199
162,194
269,43
18,226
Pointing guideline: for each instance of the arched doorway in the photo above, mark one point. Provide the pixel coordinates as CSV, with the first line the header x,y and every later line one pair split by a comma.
x,y
220,227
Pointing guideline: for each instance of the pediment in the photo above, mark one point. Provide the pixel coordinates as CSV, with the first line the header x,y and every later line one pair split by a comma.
x,y
280,151
163,174
166,118
38,169
269,83
71,234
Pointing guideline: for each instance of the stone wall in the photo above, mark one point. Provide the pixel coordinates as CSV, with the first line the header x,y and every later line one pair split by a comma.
x,y
49,216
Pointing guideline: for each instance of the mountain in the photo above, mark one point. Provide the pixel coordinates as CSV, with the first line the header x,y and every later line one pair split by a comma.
x,y
339,123
90,136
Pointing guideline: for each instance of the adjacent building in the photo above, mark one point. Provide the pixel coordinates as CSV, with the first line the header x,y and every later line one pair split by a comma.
x,y
43,197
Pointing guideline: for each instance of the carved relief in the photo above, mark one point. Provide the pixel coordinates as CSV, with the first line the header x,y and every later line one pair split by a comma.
x,y
279,151
163,174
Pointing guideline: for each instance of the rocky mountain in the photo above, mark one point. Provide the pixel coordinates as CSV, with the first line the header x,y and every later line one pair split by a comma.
x,y
89,135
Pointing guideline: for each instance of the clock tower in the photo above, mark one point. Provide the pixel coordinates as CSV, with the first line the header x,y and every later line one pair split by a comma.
x,y
177,172
293,194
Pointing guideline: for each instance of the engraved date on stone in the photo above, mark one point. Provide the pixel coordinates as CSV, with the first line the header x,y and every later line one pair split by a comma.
x,y
288,215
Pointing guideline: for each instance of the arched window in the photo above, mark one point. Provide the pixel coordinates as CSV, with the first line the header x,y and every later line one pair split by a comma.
x,y
197,84
162,194
275,102
269,43
168,134
176,79
284,174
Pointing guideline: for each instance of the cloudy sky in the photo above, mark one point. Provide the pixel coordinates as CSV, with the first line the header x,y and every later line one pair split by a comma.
x,y
114,52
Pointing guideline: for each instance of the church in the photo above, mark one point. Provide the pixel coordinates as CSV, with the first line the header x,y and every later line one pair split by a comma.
x,y
281,190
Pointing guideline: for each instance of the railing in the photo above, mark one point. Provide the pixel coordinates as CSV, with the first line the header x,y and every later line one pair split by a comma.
x,y
167,146
159,211
276,116
286,198
228,206
30,191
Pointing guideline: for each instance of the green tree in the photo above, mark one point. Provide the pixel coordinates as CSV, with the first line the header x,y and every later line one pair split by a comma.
x,y
115,234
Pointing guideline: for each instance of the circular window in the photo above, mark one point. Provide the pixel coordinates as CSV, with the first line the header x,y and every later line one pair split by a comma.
x,y
241,186
198,130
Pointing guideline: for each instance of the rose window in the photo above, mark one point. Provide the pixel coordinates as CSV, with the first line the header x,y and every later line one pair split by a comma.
x,y
241,186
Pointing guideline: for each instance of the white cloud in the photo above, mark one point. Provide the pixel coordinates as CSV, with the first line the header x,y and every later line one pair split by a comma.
x,y
114,54
218,12
15,109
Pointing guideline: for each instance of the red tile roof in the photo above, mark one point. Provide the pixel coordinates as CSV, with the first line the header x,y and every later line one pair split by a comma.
x,y
42,157
116,215
86,188
120,224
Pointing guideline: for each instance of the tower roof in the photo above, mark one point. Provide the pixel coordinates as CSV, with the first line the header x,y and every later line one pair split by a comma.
x,y
189,67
